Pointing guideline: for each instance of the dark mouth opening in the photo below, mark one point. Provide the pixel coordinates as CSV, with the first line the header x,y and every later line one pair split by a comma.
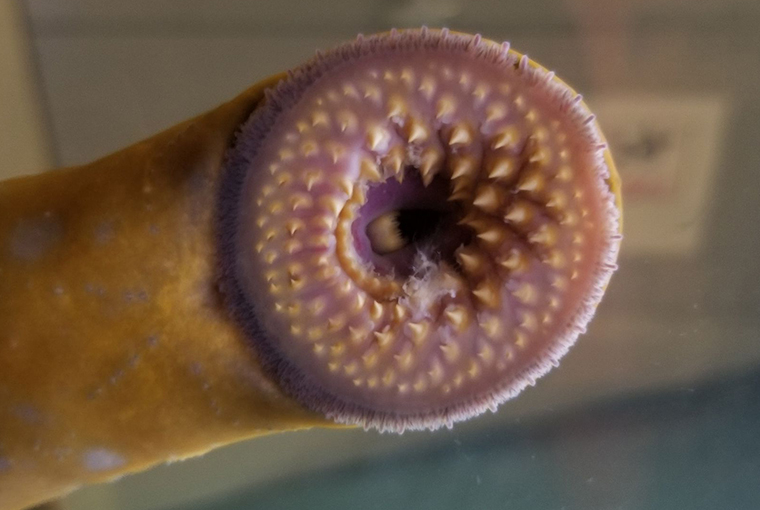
x,y
402,220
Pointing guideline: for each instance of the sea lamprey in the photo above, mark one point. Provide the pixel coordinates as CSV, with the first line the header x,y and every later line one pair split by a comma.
x,y
401,233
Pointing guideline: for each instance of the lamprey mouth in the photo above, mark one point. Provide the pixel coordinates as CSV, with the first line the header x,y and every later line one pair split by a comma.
x,y
415,226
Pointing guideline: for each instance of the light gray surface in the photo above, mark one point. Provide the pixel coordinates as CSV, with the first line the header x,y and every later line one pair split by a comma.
x,y
676,319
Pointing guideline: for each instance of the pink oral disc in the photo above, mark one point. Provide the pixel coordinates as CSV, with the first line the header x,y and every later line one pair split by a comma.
x,y
414,227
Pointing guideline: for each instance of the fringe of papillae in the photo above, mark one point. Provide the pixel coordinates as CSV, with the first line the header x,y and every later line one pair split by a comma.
x,y
283,97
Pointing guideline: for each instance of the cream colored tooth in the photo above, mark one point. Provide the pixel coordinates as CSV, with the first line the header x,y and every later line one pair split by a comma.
x,y
346,185
389,76
357,334
501,168
320,118
372,382
311,178
376,310
487,198
376,137
470,262
315,333
347,121
495,111
564,173
405,359
577,238
335,151
574,275
486,354
450,352
384,338
518,214
259,246
351,368
350,91
556,260
545,235
403,388
296,330
309,148
372,92
416,131
286,154
334,366
319,349
569,219
396,107
507,137
480,91
462,166
358,381
407,76
559,282
332,204
294,308
564,154
491,236
577,257
370,359
526,293
541,156
270,257
546,319
320,241
419,331
557,200
457,316
420,384
430,165
458,379
316,306
394,160
293,246
528,321
302,126
293,225
473,370
399,312
486,294
554,302
459,190
460,135
491,326
276,207
436,372
336,323
532,182
360,300
427,87
300,201
521,340
369,170
297,282
520,102
388,377
531,116
445,106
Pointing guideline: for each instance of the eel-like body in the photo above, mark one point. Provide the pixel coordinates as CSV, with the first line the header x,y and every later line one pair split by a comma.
x,y
142,318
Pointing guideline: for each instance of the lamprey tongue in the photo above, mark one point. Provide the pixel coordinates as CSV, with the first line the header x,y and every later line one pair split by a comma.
x,y
415,226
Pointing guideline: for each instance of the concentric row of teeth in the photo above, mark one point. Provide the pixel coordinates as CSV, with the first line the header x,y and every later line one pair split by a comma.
x,y
511,171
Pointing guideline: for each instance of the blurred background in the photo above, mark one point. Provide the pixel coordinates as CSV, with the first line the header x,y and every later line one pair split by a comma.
x,y
657,407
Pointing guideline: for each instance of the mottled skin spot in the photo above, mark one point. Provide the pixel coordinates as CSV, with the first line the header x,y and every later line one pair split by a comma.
x,y
102,459
34,237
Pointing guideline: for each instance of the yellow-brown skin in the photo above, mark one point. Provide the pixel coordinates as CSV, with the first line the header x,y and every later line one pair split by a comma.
x,y
116,350
112,333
